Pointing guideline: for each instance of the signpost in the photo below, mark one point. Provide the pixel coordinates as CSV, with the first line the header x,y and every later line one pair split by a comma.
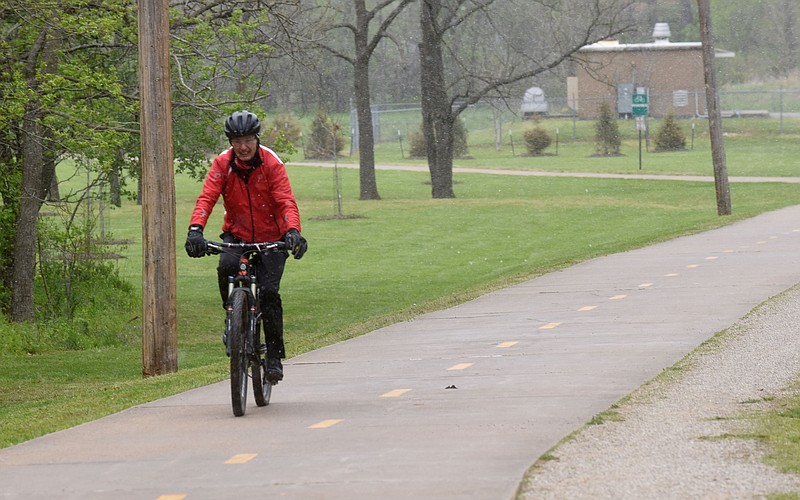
x,y
639,110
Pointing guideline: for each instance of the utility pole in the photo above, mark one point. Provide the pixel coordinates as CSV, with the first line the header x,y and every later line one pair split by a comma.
x,y
714,115
159,333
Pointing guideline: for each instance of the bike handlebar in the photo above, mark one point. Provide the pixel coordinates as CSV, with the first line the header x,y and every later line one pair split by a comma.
x,y
215,247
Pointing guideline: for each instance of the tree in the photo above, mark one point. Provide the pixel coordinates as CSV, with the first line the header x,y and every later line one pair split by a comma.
x,y
670,137
491,46
69,89
363,47
607,139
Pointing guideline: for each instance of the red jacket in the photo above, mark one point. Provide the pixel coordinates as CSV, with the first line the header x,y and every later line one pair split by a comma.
x,y
262,208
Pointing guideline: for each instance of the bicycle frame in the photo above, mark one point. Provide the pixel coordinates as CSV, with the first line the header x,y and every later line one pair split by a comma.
x,y
249,352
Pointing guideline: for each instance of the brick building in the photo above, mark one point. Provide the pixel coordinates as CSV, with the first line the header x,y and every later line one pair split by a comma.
x,y
671,73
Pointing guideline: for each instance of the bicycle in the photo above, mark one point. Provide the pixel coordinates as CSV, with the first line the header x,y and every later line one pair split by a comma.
x,y
243,325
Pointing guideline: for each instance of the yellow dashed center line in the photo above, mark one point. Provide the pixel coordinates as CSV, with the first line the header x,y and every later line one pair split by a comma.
x,y
460,366
671,275
395,393
617,297
507,344
692,266
645,285
549,326
241,458
587,308
171,497
713,257
325,423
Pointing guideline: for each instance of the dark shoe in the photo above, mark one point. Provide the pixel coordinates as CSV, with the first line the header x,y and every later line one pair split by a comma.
x,y
274,370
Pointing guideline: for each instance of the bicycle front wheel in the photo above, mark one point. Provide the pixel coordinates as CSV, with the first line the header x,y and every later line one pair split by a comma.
x,y
240,303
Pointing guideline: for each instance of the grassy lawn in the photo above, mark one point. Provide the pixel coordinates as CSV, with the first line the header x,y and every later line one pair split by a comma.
x,y
395,259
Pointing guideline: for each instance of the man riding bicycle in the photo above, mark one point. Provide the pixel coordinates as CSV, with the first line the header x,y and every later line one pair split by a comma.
x,y
259,206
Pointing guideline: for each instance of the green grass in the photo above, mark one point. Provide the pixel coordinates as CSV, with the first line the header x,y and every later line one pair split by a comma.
x,y
753,148
404,255
780,429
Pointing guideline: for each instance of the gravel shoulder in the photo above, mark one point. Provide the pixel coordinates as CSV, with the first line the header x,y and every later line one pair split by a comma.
x,y
667,439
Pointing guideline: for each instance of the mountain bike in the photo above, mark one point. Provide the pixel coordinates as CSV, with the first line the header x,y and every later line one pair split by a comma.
x,y
243,325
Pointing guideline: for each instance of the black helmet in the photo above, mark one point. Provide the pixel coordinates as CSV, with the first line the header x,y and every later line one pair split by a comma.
x,y
242,123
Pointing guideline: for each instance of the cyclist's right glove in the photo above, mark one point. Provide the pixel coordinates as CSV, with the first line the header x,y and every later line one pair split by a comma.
x,y
196,245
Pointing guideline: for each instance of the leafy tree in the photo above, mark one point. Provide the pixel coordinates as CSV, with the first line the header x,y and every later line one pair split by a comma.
x,y
670,136
607,140
68,78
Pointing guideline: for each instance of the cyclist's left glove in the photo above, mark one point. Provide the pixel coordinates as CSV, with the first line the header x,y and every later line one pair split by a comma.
x,y
196,245
295,243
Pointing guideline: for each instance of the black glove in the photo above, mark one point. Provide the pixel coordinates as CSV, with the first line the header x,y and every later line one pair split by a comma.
x,y
295,243
196,245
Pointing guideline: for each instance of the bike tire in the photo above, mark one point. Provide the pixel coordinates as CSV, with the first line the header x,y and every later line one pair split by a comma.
x,y
240,303
262,388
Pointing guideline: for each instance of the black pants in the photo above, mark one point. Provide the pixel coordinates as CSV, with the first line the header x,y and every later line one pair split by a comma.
x,y
269,271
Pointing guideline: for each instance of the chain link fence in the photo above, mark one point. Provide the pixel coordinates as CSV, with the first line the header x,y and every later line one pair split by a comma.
x,y
394,122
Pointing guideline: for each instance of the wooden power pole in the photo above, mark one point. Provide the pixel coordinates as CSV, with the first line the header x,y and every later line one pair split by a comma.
x,y
714,114
159,333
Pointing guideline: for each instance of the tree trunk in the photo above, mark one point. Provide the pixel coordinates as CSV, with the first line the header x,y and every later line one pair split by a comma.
x,y
437,117
53,192
25,242
38,171
115,187
366,139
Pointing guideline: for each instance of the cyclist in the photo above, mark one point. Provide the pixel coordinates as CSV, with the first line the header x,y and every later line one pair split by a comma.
x,y
259,206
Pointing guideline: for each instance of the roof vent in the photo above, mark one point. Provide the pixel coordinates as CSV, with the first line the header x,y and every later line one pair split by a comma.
x,y
661,32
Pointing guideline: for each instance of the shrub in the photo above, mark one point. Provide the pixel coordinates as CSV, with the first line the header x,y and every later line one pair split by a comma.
x,y
284,127
417,143
326,139
537,140
80,300
460,149
606,139
670,136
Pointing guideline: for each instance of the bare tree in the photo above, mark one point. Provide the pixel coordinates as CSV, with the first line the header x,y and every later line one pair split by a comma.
x,y
477,49
366,38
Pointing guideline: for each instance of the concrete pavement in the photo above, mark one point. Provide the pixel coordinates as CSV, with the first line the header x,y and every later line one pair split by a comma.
x,y
453,404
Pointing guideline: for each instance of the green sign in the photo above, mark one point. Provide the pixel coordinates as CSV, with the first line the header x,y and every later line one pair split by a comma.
x,y
639,107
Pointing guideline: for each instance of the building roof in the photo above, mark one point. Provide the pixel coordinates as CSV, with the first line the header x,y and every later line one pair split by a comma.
x,y
661,42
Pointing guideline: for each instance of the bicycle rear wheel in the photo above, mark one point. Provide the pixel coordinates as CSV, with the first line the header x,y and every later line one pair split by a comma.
x,y
240,303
